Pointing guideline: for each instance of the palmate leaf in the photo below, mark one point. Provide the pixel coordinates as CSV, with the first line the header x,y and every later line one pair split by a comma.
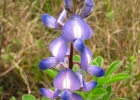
x,y
112,79
112,68
95,97
51,73
93,62
81,94
117,78
75,68
102,80
44,98
96,93
99,61
107,96
28,97
76,58
120,99
13,98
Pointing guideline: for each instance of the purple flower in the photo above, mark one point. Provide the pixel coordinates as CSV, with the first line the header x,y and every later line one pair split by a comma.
x,y
95,70
51,22
86,54
58,49
75,28
49,93
87,8
48,63
67,79
67,95
79,45
86,57
60,19
88,85
68,6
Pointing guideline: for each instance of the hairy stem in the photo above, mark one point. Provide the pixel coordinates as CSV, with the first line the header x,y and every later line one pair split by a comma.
x,y
71,56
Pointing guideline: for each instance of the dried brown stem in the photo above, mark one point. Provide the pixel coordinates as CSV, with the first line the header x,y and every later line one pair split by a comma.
x,y
2,27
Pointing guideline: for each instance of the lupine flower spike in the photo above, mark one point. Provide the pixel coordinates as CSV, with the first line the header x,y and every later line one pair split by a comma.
x,y
75,31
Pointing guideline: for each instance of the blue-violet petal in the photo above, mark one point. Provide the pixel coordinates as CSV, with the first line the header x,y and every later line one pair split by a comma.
x,y
87,8
76,97
48,63
60,19
90,85
79,45
56,93
86,58
58,48
95,70
48,20
75,28
67,79
66,95
46,92
83,85
68,6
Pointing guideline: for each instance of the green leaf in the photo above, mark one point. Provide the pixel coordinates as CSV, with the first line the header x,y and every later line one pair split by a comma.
x,y
76,58
58,2
16,40
1,90
120,99
51,72
117,78
82,94
102,80
112,68
99,61
8,50
107,96
28,97
110,14
41,43
94,97
96,93
44,98
93,62
13,98
75,68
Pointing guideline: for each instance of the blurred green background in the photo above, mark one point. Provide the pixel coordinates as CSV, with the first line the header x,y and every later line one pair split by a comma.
x,y
25,41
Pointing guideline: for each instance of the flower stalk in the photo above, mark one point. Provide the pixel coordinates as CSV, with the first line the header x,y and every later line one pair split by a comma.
x,y
71,56
75,31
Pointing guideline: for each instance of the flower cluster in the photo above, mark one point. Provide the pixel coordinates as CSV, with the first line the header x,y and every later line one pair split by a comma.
x,y
75,31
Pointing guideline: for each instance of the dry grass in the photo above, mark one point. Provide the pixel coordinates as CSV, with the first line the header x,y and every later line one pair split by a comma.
x,y
116,24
